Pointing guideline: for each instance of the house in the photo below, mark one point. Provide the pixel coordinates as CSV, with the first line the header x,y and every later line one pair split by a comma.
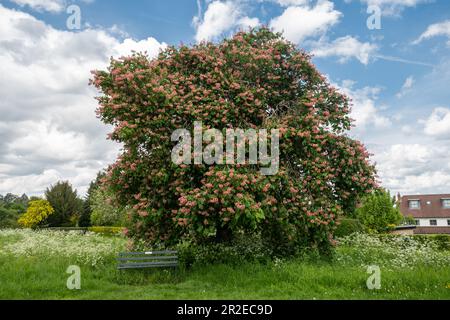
x,y
431,212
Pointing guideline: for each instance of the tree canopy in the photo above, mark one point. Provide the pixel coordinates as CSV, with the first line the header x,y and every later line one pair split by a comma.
x,y
256,80
64,200
379,212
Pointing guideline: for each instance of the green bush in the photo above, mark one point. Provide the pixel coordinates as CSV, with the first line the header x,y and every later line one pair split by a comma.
x,y
8,218
243,249
105,212
348,226
378,212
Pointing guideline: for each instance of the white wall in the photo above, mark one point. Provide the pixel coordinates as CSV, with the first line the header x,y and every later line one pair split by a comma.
x,y
441,222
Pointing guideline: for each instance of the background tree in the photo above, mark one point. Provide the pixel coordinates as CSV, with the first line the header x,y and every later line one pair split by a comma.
x,y
378,211
8,218
66,204
11,207
86,211
37,212
105,211
85,218
255,80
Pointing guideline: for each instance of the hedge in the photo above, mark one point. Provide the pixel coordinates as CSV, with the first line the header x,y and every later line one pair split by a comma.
x,y
100,230
348,226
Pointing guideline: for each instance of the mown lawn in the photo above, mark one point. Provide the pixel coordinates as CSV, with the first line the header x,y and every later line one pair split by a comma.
x,y
42,276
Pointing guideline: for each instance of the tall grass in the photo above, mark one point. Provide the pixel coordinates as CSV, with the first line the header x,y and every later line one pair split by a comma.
x,y
42,275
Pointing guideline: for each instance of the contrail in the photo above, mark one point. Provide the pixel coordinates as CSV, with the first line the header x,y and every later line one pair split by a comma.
x,y
396,59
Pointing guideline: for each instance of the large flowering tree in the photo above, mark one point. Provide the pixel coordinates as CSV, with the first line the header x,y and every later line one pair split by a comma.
x,y
254,80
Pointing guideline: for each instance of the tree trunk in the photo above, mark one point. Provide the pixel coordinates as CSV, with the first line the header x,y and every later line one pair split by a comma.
x,y
223,234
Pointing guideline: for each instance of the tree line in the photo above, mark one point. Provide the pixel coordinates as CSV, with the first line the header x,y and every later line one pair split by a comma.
x,y
61,206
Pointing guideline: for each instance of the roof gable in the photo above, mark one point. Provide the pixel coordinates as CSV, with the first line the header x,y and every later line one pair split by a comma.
x,y
431,206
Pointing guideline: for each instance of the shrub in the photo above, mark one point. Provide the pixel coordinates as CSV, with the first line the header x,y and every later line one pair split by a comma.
x,y
11,208
105,212
255,80
8,218
378,212
243,249
348,226
37,212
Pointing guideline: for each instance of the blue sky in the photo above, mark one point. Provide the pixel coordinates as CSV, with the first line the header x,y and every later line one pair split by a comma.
x,y
398,77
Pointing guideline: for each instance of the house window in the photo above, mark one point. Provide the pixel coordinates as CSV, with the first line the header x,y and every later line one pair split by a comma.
x,y
414,204
446,203
418,222
433,222
448,222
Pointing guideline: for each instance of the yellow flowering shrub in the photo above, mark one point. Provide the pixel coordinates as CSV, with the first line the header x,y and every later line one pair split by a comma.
x,y
37,212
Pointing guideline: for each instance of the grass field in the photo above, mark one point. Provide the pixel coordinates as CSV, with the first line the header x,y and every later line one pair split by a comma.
x,y
32,271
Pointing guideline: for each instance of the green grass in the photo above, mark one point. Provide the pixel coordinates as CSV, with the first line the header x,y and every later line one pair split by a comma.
x,y
44,277
35,278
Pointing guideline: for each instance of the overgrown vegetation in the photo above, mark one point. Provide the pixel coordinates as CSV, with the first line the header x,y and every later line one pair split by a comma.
x,y
378,212
348,226
34,272
105,211
11,208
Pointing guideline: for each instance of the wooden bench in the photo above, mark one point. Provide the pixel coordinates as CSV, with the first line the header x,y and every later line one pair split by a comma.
x,y
149,259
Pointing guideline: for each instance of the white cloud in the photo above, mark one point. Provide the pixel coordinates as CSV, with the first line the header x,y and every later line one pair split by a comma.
x,y
220,17
407,85
150,45
438,124
247,22
414,168
300,22
43,5
434,30
346,48
287,3
48,126
393,7
364,110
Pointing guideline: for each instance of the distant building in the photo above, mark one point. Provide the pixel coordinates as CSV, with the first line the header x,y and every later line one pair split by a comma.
x,y
431,212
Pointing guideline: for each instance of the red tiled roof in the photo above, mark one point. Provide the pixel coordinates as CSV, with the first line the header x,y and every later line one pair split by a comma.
x,y
432,210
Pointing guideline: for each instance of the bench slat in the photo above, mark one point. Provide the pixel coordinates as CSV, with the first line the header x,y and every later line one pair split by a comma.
x,y
148,258
146,265
141,267
147,253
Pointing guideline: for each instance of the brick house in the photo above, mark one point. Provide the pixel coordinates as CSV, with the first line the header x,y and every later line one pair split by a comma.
x,y
431,212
